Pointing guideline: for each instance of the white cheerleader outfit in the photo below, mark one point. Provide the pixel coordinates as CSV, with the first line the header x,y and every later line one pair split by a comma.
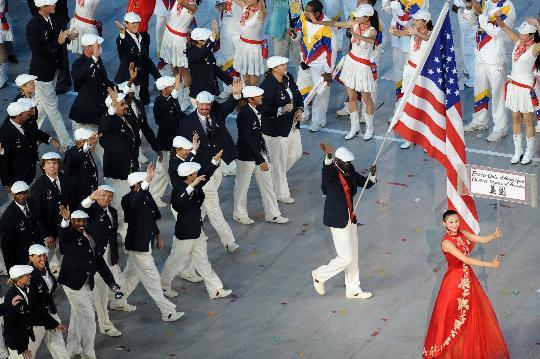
x,y
412,63
248,59
521,83
5,35
357,71
173,47
84,21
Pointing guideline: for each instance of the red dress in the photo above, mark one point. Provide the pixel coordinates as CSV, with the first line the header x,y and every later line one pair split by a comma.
x,y
463,324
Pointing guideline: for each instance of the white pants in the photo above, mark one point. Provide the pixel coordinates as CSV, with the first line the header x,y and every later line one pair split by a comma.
x,y
55,256
241,187
194,250
3,349
212,208
47,104
306,80
467,34
141,267
94,128
399,59
121,188
489,81
82,321
53,339
161,21
346,245
283,153
161,177
101,293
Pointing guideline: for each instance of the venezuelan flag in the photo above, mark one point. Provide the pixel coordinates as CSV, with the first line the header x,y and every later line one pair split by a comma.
x,y
481,101
315,46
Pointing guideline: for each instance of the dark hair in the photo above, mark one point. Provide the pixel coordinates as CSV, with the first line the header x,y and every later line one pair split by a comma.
x,y
537,40
429,25
448,213
243,102
315,5
42,164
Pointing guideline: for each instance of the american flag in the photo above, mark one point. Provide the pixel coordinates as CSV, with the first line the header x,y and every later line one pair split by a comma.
x,y
432,118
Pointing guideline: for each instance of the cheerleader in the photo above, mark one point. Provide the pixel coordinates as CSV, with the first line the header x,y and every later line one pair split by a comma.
x,y
357,74
84,22
162,10
229,38
520,94
248,57
173,47
6,37
419,33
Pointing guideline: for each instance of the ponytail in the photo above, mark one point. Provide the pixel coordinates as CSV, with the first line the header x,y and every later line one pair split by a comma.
x,y
429,25
537,62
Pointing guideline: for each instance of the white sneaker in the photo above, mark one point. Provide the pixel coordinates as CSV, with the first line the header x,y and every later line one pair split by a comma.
x,y
279,219
160,203
317,284
172,317
123,308
170,293
473,126
344,111
232,247
193,278
112,332
243,220
286,200
360,295
221,293
405,145
496,136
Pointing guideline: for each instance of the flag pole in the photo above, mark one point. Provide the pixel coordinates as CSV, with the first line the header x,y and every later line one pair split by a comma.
x,y
409,89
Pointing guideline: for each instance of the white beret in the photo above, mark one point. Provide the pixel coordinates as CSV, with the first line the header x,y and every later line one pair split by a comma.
x,y
24,78
121,97
344,154
364,10
422,15
78,214
19,270
204,97
40,3
136,177
201,34
124,88
37,249
187,168
252,91
526,28
275,61
107,188
132,17
82,134
27,102
165,81
51,156
16,108
91,39
18,187
182,142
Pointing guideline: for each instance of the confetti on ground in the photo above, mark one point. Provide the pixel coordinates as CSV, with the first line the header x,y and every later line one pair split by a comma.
x,y
384,319
253,253
416,200
381,271
171,333
418,229
342,311
262,265
398,184
410,176
305,153
172,355
437,269
301,354
382,201
515,292
504,291
302,232
506,205
284,303
404,239
502,254
334,311
212,314
275,339
388,252
375,333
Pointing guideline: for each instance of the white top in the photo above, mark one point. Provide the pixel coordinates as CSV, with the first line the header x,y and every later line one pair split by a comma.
x,y
252,27
496,50
522,69
231,24
415,56
361,48
86,8
160,9
394,8
180,19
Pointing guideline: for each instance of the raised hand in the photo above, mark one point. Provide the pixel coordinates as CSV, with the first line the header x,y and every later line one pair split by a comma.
x,y
64,212
218,155
62,36
133,70
198,180
327,148
237,86
120,27
56,144
196,141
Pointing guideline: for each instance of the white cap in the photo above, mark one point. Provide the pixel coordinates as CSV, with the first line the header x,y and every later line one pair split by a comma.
x,y
40,3
108,100
200,34
124,88
344,154
132,17
19,270
526,28
105,187
78,214
51,156
37,249
91,39
275,61
204,97
18,187
165,81
364,10
24,78
136,177
187,168
16,108
182,142
82,134
422,15
252,91
27,102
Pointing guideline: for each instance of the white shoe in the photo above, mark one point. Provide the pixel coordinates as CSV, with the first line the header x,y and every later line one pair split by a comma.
x,y
243,220
172,317
527,157
221,293
315,128
232,247
286,200
344,111
317,284
170,293
123,308
143,159
112,332
405,145
496,136
160,203
279,219
355,126
193,278
473,126
369,127
360,295
518,149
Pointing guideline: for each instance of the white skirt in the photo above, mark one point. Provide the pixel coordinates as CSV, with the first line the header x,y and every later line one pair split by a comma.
x,y
82,28
357,76
173,49
248,59
7,35
518,99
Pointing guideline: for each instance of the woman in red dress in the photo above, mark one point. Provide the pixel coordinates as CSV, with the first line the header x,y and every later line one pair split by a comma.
x,y
463,324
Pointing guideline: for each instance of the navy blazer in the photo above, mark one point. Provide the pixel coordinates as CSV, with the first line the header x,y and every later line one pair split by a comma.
x,y
103,229
18,329
250,143
129,52
207,168
189,220
82,174
140,124
41,299
204,71
18,163
167,115
119,142
141,215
